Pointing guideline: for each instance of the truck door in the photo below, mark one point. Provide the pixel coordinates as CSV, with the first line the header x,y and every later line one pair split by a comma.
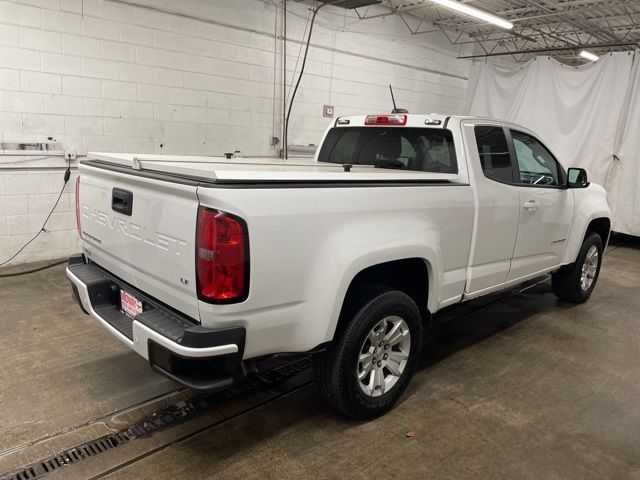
x,y
497,200
546,207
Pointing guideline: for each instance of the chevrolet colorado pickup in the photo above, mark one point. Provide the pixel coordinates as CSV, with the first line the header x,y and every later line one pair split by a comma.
x,y
206,267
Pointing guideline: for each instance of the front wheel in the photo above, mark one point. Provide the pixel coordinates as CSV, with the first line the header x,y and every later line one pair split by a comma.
x,y
365,370
575,283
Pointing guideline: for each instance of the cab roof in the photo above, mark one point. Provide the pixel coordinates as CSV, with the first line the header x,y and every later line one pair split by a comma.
x,y
433,120
430,120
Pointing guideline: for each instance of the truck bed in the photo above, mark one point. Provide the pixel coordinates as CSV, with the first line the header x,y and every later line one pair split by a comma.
x,y
260,169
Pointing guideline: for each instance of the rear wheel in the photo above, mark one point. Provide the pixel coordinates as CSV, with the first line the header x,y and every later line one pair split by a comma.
x,y
576,282
365,370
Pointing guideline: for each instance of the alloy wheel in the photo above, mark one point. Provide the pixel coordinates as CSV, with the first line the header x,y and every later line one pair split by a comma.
x,y
383,356
589,268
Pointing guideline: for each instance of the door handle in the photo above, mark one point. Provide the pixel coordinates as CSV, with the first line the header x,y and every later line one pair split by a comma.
x,y
531,205
121,201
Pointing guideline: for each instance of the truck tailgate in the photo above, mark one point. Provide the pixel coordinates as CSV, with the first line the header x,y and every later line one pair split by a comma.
x,y
152,246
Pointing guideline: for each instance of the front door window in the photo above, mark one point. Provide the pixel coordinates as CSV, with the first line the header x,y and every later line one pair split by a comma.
x,y
535,163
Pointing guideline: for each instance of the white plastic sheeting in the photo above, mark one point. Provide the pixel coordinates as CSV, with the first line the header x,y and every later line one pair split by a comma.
x,y
623,181
588,116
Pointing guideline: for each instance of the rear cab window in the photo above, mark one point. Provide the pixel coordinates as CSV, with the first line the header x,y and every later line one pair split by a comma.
x,y
402,148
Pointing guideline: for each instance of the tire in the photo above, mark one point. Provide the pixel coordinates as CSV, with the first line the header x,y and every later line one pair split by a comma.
x,y
568,283
336,369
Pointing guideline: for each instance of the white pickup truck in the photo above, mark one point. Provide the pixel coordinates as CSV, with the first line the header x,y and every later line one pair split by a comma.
x,y
207,266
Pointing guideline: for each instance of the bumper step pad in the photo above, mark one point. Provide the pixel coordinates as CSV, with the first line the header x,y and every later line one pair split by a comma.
x,y
104,291
201,373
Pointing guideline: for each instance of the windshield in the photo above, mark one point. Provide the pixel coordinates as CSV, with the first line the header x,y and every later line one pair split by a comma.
x,y
419,149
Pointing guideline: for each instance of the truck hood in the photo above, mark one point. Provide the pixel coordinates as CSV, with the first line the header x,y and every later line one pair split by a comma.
x,y
260,169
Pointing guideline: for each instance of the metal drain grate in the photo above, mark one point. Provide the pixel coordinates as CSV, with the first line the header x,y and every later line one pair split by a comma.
x,y
68,457
172,415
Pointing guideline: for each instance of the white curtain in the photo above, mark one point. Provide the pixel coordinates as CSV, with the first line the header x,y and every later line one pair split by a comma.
x,y
589,116
623,182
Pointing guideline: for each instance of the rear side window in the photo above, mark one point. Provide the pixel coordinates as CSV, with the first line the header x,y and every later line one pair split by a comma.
x,y
494,153
418,149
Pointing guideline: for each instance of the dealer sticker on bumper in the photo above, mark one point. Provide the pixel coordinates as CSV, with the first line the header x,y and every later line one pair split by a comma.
x,y
130,305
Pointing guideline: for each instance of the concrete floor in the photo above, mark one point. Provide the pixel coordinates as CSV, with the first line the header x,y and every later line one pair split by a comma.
x,y
512,386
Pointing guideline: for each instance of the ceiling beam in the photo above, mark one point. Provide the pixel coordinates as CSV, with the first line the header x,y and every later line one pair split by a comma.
x,y
552,49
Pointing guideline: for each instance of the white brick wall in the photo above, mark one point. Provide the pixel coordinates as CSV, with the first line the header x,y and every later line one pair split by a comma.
x,y
26,197
102,75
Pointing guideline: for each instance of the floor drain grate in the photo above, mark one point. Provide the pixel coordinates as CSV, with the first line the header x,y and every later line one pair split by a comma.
x,y
68,457
172,415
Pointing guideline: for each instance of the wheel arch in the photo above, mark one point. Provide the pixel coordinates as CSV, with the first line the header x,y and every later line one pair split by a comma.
x,y
592,213
410,275
601,226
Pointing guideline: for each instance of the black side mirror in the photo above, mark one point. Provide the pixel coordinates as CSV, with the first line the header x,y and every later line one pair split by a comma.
x,y
577,178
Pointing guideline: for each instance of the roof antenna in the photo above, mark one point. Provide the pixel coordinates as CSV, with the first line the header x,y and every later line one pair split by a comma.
x,y
395,108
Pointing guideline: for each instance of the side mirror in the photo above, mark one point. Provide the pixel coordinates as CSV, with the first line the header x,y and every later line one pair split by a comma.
x,y
577,178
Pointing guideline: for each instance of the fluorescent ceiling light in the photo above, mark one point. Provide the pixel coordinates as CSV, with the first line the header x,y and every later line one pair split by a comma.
x,y
475,13
592,57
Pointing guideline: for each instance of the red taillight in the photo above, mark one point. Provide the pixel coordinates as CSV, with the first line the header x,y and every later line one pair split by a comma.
x,y
78,206
388,120
222,261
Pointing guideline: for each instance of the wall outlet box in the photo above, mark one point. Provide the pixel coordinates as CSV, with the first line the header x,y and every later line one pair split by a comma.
x,y
327,111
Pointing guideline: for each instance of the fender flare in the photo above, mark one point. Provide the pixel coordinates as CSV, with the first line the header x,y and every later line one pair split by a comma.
x,y
369,260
